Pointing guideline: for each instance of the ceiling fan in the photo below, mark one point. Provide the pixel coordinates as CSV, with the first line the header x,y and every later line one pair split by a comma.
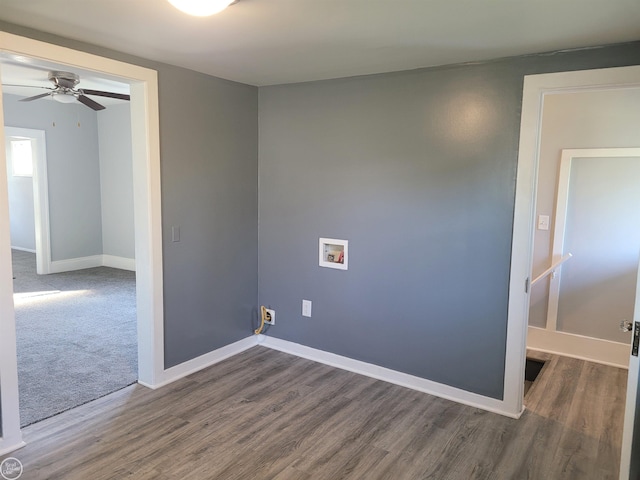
x,y
65,91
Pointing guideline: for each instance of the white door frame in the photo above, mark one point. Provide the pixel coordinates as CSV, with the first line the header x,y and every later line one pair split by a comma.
x,y
40,194
147,212
631,404
535,88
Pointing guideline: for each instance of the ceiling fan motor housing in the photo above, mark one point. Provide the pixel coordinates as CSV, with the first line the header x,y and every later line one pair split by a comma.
x,y
64,79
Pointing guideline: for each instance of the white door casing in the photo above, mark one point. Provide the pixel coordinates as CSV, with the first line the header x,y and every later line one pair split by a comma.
x,y
11,436
147,212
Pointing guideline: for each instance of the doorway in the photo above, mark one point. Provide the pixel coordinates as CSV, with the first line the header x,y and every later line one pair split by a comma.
x,y
587,191
146,175
75,329
578,309
536,87
33,222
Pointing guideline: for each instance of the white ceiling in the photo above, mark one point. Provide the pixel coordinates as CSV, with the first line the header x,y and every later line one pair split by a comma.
x,y
265,42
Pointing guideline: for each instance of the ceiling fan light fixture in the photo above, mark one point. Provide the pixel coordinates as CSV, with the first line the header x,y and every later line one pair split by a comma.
x,y
63,97
201,8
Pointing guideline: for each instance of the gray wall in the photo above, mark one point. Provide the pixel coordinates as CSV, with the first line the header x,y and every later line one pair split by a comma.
x,y
73,172
439,190
417,170
208,143
116,181
209,157
21,206
601,119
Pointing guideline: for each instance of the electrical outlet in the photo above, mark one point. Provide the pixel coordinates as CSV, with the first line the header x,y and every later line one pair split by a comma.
x,y
271,317
306,308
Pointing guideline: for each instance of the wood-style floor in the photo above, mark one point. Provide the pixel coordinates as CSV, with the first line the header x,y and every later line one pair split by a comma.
x,y
268,415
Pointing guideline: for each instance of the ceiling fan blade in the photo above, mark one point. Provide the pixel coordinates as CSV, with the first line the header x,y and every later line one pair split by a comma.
x,y
100,93
28,99
26,86
90,103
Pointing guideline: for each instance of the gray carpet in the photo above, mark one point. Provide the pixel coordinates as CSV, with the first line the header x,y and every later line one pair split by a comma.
x,y
76,336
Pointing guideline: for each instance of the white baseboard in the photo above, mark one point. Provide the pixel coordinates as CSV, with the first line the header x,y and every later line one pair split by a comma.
x,y
72,264
30,250
7,447
192,366
388,375
92,261
606,352
380,373
121,263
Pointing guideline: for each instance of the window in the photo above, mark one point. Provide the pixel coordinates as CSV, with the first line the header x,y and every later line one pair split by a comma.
x,y
22,158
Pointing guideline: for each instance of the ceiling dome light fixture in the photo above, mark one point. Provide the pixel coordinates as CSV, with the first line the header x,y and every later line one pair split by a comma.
x,y
201,8
64,97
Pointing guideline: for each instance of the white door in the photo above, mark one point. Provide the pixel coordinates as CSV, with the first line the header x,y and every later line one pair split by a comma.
x,y
630,458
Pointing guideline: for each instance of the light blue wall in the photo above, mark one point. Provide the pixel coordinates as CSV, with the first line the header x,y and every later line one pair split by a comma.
x,y
101,159
116,181
73,172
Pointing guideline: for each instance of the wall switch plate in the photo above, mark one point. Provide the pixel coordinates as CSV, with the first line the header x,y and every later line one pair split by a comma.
x,y
175,234
306,308
543,222
272,313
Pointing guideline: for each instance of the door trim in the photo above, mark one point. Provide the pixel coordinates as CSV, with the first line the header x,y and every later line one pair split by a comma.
x,y
40,195
147,212
535,89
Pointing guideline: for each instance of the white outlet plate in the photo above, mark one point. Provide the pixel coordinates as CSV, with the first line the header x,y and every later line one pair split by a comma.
x,y
273,317
306,308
